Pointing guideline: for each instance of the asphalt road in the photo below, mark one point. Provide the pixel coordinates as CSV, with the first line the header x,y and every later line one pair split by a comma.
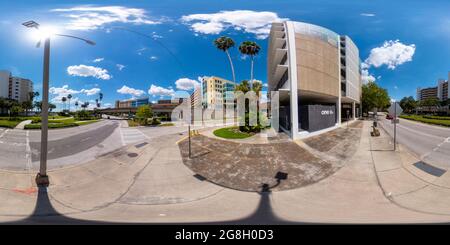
x,y
430,143
20,149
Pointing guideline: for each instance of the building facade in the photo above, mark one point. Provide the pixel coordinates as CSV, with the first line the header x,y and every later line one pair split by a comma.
x,y
196,97
216,91
439,92
132,103
15,88
317,74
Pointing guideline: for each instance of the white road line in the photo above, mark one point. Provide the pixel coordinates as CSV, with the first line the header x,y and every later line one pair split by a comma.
x,y
28,152
4,132
121,136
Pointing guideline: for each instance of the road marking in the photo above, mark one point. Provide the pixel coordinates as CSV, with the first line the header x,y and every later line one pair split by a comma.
x,y
28,152
131,135
4,132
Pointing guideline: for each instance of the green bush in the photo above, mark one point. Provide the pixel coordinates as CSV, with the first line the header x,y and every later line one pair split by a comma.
x,y
419,118
155,121
437,117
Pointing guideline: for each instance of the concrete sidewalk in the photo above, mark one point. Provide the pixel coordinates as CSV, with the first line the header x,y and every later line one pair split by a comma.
x,y
147,182
22,124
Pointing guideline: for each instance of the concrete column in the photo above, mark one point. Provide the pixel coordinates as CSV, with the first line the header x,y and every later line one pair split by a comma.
x,y
354,110
292,79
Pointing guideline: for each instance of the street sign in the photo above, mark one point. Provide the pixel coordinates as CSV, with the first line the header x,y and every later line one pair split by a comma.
x,y
395,109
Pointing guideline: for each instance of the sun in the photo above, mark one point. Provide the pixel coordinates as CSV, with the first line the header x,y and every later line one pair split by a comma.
x,y
43,33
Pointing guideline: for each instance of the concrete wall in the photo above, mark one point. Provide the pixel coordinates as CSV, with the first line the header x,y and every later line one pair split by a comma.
x,y
317,65
353,79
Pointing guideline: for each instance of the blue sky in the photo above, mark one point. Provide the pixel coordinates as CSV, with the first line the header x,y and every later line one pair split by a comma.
x,y
181,35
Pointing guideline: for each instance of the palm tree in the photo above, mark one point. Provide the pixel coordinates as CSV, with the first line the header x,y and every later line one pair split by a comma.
x,y
224,43
100,96
69,97
64,99
76,105
250,48
96,103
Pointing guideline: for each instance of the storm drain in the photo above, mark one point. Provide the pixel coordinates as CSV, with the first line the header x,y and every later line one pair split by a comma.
x,y
429,169
140,145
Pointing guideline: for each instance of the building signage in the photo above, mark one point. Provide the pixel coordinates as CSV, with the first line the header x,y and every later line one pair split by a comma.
x,y
317,117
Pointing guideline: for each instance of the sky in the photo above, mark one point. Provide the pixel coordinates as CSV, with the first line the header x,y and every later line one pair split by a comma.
x,y
155,48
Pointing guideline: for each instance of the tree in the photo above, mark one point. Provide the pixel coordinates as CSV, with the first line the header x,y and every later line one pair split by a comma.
x,y
100,97
251,49
69,97
50,107
76,105
373,97
27,105
143,113
408,104
225,43
244,87
64,99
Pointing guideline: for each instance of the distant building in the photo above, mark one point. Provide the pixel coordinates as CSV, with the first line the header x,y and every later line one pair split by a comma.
x,y
440,92
215,91
132,103
196,97
15,88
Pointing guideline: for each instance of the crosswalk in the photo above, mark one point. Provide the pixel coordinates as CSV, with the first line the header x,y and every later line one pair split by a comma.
x,y
131,135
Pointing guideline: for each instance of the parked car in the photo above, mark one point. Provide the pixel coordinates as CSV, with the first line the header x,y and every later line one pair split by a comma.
x,y
389,117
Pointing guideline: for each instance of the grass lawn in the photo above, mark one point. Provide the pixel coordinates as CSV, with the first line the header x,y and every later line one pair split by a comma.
x,y
166,124
231,133
8,124
61,123
442,121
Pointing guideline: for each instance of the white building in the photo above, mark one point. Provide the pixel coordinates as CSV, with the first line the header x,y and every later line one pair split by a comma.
x,y
15,88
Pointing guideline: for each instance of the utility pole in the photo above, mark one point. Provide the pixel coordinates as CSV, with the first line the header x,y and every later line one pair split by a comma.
x,y
395,124
189,132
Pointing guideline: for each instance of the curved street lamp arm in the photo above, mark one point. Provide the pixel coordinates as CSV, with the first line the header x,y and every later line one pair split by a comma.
x,y
79,38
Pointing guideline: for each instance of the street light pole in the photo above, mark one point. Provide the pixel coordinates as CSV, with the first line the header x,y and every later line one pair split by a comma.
x,y
42,178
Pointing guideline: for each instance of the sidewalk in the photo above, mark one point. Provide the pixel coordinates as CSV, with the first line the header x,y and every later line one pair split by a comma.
x,y
22,124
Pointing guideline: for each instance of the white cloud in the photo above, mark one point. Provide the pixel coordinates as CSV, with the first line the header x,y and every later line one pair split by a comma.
x,y
153,57
63,91
254,22
186,84
120,67
88,71
91,17
131,91
91,91
157,90
367,14
366,76
98,60
392,54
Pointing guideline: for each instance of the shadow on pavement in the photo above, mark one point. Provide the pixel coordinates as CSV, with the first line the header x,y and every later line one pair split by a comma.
x,y
44,213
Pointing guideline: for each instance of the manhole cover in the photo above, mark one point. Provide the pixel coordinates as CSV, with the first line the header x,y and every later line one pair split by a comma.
x,y
140,145
132,154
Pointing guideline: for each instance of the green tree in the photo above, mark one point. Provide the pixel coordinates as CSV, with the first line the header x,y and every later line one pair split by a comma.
x,y
244,86
408,104
64,99
225,43
373,97
69,97
143,113
251,49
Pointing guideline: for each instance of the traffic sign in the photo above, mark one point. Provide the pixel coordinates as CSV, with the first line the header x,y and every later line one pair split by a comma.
x,y
395,109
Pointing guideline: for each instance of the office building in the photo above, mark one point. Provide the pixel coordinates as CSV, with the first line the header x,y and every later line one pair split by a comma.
x,y
196,97
439,92
317,74
132,103
215,92
15,88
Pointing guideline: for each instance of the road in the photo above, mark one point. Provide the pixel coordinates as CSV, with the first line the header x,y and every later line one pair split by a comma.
x,y
20,149
430,143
